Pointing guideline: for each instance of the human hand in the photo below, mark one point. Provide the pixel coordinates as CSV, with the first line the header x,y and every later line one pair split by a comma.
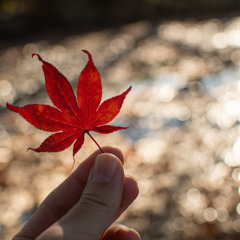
x,y
86,204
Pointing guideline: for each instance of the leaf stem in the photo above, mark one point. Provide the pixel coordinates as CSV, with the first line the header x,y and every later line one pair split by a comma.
x,y
94,141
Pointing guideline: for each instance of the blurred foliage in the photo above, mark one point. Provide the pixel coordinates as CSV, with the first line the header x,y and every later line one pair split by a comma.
x,y
26,17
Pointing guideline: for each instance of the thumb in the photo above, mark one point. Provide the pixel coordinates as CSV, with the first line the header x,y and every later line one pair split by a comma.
x,y
100,200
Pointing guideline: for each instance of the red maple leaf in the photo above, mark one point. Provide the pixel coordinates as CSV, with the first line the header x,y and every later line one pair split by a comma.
x,y
71,118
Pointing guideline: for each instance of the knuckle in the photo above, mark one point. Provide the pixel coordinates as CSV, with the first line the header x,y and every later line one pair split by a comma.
x,y
57,209
96,200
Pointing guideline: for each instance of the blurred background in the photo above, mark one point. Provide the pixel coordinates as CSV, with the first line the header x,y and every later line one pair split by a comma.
x,y
182,59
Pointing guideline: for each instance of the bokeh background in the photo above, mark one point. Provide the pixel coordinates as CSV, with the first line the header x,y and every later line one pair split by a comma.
x,y
182,59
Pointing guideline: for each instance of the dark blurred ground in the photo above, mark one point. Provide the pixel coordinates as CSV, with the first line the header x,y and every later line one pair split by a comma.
x,y
183,146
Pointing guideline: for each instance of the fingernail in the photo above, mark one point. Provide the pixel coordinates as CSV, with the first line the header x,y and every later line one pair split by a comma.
x,y
104,168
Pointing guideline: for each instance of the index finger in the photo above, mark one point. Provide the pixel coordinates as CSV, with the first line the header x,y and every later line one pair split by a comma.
x,y
63,198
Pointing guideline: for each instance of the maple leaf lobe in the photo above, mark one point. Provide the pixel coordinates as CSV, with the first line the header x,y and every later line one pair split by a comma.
x,y
89,91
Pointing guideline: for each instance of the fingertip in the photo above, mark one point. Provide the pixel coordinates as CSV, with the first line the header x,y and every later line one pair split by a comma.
x,y
132,186
129,233
82,171
121,232
130,193
115,151
133,235
106,168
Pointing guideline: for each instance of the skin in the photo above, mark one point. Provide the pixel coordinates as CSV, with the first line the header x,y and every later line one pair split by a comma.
x,y
86,204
